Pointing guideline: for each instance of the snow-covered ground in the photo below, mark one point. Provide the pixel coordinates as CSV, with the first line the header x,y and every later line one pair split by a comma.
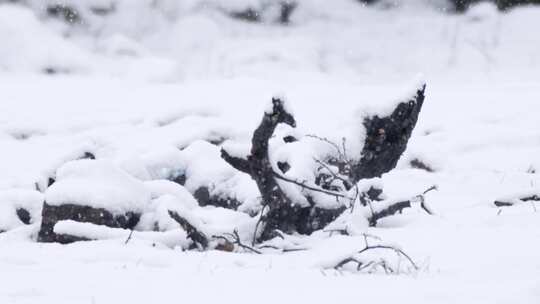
x,y
130,92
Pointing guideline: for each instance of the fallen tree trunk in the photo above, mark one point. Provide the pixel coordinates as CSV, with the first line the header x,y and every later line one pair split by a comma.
x,y
51,215
386,140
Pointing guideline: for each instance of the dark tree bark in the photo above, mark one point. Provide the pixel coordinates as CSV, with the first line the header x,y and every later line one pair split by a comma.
x,y
523,198
204,198
66,12
199,238
282,214
54,214
257,14
463,5
388,211
24,216
387,138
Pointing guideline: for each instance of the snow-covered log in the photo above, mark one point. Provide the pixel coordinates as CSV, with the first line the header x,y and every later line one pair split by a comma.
x,y
92,191
386,139
88,231
99,216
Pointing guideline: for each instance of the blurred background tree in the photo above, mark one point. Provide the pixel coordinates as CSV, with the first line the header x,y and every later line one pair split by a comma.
x,y
462,5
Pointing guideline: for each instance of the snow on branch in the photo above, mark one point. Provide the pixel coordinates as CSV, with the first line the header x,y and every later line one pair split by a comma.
x,y
89,231
397,207
198,237
528,196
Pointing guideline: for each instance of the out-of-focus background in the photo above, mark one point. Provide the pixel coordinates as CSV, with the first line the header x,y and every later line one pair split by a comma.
x,y
369,41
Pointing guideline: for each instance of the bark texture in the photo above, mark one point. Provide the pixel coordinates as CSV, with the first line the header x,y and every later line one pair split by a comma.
x,y
53,214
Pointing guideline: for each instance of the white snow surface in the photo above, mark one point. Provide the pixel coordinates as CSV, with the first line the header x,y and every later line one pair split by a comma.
x,y
13,199
98,184
146,97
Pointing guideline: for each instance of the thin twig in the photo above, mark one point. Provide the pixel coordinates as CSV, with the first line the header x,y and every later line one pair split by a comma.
x,y
342,154
236,240
261,218
346,183
382,263
129,237
303,185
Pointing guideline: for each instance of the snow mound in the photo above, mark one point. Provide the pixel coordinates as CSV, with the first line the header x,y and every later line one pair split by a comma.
x,y
159,188
91,231
205,168
11,201
98,184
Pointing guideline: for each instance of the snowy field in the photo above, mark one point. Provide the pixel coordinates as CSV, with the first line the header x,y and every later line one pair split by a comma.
x,y
135,93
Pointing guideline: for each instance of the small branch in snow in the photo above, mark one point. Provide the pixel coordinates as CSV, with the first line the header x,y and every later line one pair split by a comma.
x,y
129,237
283,250
261,218
340,231
422,199
399,206
234,238
362,265
388,211
519,199
344,163
345,182
193,233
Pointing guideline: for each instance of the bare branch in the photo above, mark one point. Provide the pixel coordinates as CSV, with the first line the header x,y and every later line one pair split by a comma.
x,y
193,233
520,199
399,206
265,130
234,238
129,237
238,163
345,182
257,225
382,263
304,186
388,211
